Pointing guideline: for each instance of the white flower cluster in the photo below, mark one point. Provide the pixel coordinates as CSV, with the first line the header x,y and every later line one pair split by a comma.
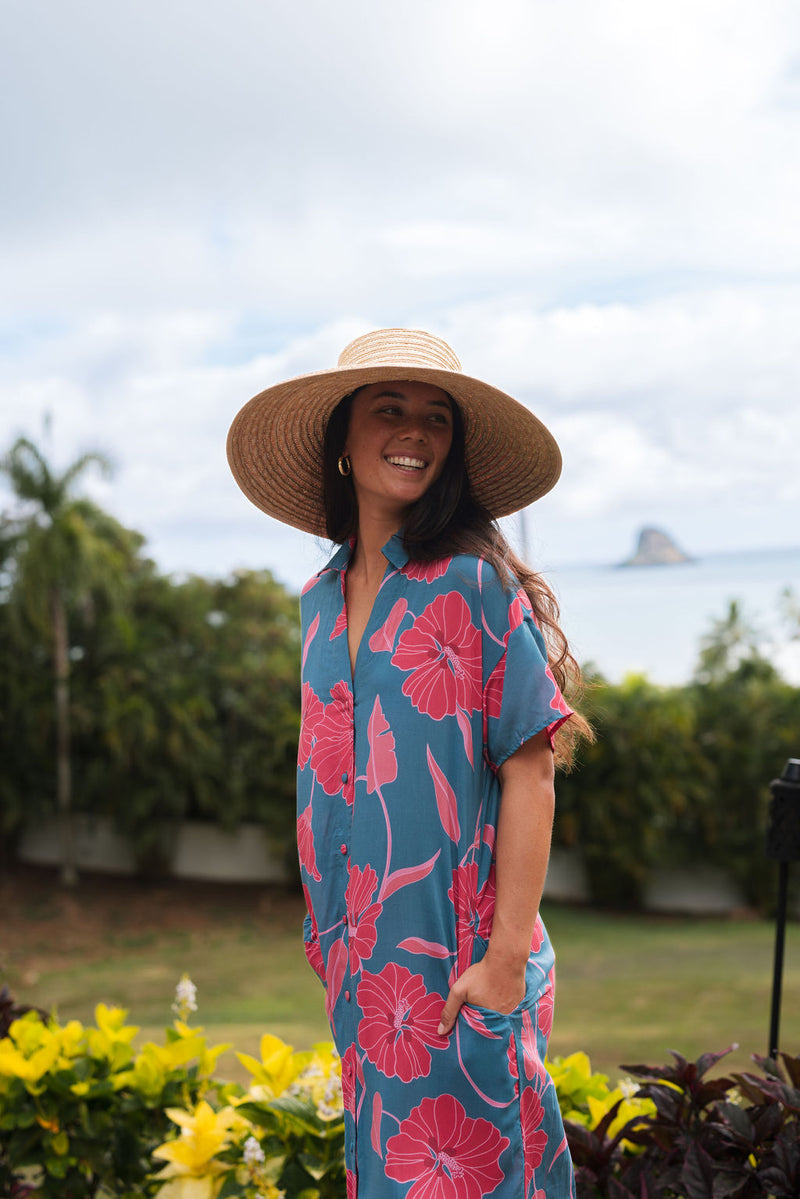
x,y
331,1106
325,1088
185,997
253,1154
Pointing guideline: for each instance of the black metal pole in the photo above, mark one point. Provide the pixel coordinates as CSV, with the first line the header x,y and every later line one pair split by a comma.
x,y
777,972
783,844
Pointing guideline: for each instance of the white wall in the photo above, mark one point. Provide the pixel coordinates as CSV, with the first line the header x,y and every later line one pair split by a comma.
x,y
204,851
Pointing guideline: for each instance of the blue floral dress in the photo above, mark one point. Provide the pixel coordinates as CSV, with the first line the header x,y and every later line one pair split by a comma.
x,y
398,800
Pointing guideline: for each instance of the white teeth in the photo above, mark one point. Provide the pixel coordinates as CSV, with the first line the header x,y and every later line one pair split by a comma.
x,y
418,463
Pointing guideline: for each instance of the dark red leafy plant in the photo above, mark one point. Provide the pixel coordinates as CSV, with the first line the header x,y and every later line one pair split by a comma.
x,y
734,1137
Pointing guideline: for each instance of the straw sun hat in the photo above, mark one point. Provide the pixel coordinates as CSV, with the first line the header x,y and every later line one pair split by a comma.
x,y
275,441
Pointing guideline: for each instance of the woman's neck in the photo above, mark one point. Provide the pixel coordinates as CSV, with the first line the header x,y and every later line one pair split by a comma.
x,y
368,559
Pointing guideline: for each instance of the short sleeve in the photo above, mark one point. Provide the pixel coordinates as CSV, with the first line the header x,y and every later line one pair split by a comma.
x,y
520,694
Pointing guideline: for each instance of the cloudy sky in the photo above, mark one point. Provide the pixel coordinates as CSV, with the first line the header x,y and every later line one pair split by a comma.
x,y
595,201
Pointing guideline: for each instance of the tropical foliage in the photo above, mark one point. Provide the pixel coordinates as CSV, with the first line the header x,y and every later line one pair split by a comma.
x,y
179,698
84,1114
175,698
734,1137
680,775
65,551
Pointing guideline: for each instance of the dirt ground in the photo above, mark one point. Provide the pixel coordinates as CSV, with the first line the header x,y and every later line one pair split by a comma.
x,y
42,921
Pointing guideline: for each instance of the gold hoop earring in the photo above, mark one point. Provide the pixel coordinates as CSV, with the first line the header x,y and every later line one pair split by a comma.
x,y
344,466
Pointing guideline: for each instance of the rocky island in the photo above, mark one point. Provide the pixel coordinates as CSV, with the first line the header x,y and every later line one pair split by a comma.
x,y
656,548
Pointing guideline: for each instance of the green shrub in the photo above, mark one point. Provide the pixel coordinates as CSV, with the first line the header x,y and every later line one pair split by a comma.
x,y
82,1115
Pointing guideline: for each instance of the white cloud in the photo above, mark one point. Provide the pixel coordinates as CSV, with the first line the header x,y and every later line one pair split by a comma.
x,y
594,200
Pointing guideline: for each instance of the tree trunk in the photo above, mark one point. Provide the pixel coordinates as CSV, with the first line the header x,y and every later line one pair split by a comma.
x,y
69,873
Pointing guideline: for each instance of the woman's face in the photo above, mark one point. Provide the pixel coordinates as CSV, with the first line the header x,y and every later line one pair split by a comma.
x,y
397,441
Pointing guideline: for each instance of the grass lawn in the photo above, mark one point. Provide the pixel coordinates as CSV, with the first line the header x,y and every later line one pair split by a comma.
x,y
629,988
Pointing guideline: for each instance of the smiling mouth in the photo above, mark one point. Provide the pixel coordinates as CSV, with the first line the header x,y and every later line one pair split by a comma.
x,y
406,463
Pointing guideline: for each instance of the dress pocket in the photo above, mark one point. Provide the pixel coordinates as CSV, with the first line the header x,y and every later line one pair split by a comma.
x,y
486,1047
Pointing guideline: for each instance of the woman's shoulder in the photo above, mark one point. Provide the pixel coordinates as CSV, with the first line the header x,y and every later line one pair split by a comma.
x,y
323,588
469,573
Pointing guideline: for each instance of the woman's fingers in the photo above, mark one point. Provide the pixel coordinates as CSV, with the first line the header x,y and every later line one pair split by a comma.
x,y
455,1000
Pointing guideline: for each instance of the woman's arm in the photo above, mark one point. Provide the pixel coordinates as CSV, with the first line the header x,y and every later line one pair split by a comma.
x,y
522,851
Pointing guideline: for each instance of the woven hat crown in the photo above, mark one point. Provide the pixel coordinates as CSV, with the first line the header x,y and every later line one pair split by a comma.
x,y
399,347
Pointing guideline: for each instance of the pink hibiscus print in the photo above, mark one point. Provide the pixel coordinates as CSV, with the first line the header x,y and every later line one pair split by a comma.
x,y
545,1016
474,913
426,572
520,608
352,1078
534,1138
493,698
382,761
305,844
513,1068
332,753
312,582
446,801
339,626
546,1003
352,1184
445,1153
382,639
312,709
312,948
534,1067
442,649
399,1022
558,703
362,915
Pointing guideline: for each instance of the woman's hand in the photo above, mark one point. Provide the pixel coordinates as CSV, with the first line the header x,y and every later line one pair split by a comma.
x,y
485,984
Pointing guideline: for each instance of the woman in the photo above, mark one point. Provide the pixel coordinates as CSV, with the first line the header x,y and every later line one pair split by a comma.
x,y
425,765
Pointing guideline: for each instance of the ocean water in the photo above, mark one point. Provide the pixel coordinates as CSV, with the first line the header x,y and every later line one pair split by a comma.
x,y
650,619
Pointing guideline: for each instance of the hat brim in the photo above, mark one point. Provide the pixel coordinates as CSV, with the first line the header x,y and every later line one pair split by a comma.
x,y
275,442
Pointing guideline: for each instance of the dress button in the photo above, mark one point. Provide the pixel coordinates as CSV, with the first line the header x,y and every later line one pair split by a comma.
x,y
342,848
344,777
347,996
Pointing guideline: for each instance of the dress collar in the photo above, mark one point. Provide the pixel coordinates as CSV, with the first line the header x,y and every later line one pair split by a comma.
x,y
341,558
394,551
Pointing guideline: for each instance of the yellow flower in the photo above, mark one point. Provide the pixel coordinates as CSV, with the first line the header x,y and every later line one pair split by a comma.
x,y
204,1134
325,1055
279,1065
185,1043
29,1033
33,1048
147,1075
207,1061
29,1067
321,1080
575,1082
190,1188
112,1038
627,1110
178,1052
70,1040
574,1072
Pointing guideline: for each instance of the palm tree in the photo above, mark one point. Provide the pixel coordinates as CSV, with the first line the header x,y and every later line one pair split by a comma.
x,y
732,639
63,551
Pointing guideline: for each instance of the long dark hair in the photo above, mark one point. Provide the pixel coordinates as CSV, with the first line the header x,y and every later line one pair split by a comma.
x,y
448,520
